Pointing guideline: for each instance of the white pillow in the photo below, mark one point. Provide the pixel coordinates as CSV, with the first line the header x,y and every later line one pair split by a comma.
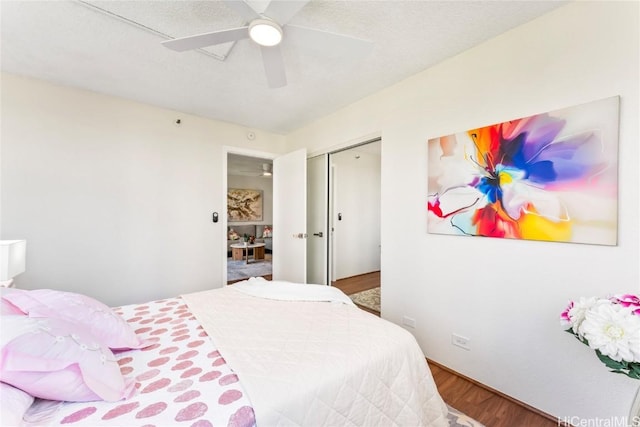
x,y
13,405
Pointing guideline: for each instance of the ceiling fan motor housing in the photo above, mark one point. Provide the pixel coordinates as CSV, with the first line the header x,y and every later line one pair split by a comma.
x,y
265,32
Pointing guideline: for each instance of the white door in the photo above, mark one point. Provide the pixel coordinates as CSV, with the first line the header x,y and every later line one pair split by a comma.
x,y
290,217
317,198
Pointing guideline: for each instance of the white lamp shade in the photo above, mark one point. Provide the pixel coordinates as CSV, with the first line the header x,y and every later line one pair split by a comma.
x,y
12,258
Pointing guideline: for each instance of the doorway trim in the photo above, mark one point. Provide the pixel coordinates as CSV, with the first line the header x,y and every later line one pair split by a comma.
x,y
226,150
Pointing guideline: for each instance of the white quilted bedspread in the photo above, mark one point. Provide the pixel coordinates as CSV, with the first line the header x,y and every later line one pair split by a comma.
x,y
319,363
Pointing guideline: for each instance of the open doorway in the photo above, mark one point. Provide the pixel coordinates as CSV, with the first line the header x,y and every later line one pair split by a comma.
x,y
355,240
249,217
288,212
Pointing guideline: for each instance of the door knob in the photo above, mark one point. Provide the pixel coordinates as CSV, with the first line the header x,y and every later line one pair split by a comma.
x,y
318,234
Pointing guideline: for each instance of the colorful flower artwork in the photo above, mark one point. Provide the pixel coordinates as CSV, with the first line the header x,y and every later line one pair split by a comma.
x,y
551,177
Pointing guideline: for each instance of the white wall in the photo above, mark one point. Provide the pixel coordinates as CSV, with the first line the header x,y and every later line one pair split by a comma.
x,y
508,302
113,198
265,184
356,194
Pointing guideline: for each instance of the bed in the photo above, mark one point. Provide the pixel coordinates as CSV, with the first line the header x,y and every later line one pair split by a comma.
x,y
254,353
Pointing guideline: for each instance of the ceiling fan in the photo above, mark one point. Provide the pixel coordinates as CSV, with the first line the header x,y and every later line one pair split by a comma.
x,y
267,171
268,30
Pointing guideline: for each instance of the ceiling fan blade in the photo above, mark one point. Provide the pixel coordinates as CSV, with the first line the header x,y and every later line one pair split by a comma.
x,y
207,39
274,66
330,42
282,11
243,9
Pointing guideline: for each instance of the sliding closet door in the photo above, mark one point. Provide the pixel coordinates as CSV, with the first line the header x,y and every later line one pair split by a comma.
x,y
355,210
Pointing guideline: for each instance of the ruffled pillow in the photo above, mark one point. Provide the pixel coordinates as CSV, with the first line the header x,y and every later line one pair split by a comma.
x,y
110,329
5,306
59,360
13,405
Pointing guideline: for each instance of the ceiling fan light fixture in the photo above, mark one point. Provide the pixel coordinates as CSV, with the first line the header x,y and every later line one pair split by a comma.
x,y
265,32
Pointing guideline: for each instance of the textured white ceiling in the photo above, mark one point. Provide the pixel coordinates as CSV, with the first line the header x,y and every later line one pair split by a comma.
x,y
73,43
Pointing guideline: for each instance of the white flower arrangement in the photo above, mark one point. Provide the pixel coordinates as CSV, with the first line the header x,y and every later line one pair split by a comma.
x,y
611,327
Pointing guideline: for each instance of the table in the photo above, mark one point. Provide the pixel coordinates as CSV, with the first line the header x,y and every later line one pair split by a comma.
x,y
241,251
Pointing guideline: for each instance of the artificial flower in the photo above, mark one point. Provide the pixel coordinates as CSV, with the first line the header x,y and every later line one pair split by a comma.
x,y
629,301
614,331
611,327
574,314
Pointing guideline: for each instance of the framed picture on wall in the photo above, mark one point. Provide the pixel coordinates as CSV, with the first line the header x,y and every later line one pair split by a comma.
x,y
244,205
552,177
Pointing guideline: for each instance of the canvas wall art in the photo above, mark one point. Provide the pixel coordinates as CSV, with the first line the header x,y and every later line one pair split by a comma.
x,y
551,177
244,205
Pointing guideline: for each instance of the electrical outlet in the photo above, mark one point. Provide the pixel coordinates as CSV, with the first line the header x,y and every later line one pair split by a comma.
x,y
460,341
408,321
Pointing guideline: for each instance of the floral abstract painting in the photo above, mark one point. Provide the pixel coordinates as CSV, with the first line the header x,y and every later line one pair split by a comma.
x,y
551,177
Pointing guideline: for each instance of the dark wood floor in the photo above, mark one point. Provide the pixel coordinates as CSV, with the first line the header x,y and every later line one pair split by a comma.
x,y
477,401
359,283
480,403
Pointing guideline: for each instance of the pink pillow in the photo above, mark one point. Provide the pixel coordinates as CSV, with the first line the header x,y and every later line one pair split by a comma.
x,y
13,405
59,360
111,329
5,306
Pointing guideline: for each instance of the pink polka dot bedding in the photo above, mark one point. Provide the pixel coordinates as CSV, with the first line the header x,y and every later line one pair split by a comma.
x,y
180,378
